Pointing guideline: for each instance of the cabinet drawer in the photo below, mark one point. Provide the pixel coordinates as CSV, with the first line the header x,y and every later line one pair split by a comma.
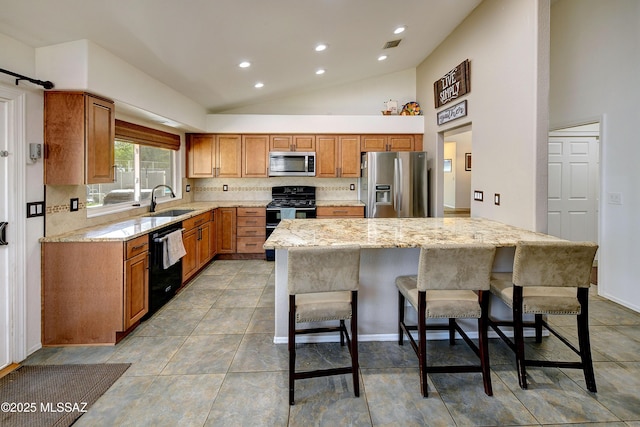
x,y
252,232
249,245
137,246
251,212
251,221
340,211
196,221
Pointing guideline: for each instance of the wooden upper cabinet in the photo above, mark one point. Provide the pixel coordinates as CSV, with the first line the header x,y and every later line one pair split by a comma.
x,y
200,155
337,156
349,161
79,137
388,143
213,156
229,156
255,156
292,143
326,156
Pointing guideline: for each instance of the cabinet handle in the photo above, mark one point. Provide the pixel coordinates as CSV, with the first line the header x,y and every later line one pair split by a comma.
x,y
115,175
251,244
252,212
135,248
340,212
251,222
250,232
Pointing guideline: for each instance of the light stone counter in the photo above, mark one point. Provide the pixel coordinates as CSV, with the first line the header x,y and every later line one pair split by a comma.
x,y
143,224
390,248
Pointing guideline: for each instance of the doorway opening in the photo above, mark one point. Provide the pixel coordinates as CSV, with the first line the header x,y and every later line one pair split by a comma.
x,y
573,192
457,172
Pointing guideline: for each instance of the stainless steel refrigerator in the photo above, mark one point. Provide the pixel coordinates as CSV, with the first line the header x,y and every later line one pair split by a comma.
x,y
395,184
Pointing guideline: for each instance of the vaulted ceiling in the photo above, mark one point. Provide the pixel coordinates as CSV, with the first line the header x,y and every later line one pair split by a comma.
x,y
196,46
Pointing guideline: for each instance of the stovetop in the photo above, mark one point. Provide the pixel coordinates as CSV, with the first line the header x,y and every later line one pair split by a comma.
x,y
289,196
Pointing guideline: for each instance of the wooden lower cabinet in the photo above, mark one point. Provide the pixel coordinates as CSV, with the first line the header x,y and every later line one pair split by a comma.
x,y
196,238
340,212
251,230
226,230
93,292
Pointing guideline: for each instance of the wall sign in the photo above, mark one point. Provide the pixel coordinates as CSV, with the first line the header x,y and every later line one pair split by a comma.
x,y
452,85
452,113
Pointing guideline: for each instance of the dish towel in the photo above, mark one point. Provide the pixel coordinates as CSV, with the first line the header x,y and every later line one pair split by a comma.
x,y
287,213
172,249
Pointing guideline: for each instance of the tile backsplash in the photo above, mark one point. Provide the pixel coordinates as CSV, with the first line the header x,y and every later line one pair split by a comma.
x,y
59,219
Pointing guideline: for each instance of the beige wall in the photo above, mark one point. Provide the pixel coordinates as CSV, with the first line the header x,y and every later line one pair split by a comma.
x,y
506,44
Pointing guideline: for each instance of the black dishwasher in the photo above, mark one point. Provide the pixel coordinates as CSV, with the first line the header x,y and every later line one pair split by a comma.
x,y
163,282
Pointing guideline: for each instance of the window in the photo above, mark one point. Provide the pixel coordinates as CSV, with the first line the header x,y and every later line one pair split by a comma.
x,y
144,158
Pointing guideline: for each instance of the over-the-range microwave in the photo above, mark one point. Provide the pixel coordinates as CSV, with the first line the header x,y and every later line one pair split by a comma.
x,y
292,163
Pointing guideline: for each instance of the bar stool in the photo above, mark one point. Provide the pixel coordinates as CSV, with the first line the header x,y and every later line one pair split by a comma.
x,y
323,286
453,283
548,278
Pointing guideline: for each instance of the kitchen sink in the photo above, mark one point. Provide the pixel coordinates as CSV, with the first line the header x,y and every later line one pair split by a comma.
x,y
172,212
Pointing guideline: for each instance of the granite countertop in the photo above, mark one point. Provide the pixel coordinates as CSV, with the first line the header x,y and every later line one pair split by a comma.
x,y
128,229
396,232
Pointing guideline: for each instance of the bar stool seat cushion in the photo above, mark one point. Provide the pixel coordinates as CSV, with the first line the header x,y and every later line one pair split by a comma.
x,y
321,306
536,299
441,303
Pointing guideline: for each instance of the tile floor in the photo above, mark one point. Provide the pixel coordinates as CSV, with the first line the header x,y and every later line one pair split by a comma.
x,y
207,359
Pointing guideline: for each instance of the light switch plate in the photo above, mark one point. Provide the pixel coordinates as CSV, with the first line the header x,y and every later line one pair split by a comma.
x,y
35,209
73,204
496,199
478,196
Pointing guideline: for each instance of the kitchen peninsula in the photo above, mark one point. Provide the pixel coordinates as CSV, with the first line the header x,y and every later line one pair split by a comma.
x,y
390,248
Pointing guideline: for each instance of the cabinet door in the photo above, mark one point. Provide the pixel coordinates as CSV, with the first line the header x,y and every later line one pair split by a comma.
x,y
213,241
349,156
226,230
100,134
255,156
374,143
280,143
326,156
200,155
203,250
136,289
229,156
190,260
304,142
400,142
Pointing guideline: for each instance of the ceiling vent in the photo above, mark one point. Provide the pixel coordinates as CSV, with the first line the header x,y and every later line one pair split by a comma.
x,y
392,43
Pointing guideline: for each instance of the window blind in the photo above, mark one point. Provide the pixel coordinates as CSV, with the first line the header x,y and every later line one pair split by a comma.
x,y
146,136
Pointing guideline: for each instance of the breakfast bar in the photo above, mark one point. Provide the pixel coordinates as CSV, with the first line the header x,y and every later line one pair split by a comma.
x,y
390,248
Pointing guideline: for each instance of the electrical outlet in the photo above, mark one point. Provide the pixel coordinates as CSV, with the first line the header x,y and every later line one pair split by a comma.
x,y
496,199
614,198
352,187
187,188
225,187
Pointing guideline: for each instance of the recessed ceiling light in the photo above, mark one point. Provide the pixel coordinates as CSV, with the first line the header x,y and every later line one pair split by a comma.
x,y
320,71
382,57
399,30
321,47
258,85
244,64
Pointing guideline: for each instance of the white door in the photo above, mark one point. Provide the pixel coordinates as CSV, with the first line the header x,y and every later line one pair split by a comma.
x,y
573,191
450,175
6,276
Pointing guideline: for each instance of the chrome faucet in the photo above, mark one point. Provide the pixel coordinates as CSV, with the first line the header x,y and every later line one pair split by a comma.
x,y
152,207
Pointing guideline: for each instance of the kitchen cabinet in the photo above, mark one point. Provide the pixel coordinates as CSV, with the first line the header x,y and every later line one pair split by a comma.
x,y
214,156
226,230
136,283
340,212
251,230
388,143
337,156
292,143
93,292
79,138
196,238
255,156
